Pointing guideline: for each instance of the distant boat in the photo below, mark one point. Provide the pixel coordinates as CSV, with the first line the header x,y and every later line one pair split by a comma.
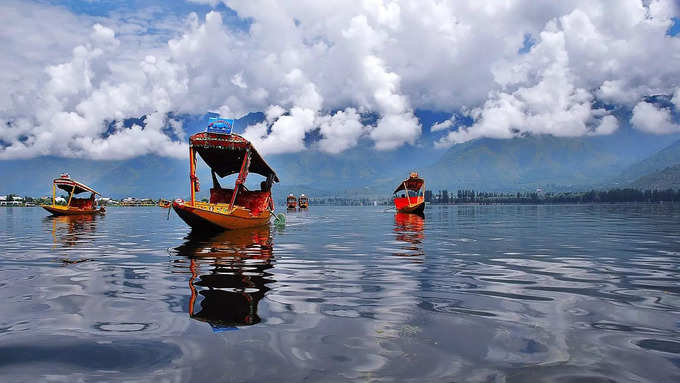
x,y
303,201
74,206
165,204
227,153
409,196
291,201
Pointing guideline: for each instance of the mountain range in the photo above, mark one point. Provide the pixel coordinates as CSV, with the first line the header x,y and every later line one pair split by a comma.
x,y
518,164
667,178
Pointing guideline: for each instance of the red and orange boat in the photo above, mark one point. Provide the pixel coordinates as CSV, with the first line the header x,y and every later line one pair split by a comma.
x,y
74,206
409,196
227,153
291,202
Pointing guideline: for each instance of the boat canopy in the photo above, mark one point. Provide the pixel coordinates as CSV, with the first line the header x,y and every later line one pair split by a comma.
x,y
67,184
412,183
224,154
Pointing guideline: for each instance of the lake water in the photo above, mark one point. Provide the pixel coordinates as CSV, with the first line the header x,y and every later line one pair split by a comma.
x,y
570,293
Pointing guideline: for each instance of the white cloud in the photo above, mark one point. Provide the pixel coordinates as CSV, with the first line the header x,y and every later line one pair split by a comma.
x,y
676,98
652,119
340,131
551,104
444,125
318,66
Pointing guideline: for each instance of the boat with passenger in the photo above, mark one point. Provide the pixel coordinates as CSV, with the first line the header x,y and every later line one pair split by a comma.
x,y
291,202
409,196
227,153
74,205
303,201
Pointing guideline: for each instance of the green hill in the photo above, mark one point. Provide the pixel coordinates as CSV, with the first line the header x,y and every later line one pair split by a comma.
x,y
659,161
524,164
668,178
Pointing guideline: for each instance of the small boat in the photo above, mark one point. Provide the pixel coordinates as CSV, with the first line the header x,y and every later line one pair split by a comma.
x,y
409,196
74,206
291,202
227,153
303,202
165,204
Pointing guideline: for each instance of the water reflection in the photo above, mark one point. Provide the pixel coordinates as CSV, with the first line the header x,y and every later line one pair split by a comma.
x,y
229,276
409,229
70,230
506,293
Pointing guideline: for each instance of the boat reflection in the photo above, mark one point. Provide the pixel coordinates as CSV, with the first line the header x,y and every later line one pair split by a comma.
x,y
229,276
409,228
69,230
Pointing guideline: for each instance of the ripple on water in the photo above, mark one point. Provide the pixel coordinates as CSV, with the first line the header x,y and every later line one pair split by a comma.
x,y
469,293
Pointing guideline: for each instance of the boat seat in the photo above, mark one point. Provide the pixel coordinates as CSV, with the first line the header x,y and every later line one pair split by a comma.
x,y
82,203
255,201
219,195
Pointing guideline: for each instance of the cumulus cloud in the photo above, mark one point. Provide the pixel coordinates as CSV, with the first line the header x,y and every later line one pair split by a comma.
x,y
444,125
652,119
676,98
340,131
552,89
318,67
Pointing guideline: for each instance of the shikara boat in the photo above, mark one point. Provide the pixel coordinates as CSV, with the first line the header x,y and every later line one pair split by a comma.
x,y
409,196
303,202
227,153
74,206
291,202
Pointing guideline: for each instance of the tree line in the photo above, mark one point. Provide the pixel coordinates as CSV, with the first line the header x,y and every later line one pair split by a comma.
x,y
592,196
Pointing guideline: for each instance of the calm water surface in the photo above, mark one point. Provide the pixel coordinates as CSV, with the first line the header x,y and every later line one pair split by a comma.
x,y
572,293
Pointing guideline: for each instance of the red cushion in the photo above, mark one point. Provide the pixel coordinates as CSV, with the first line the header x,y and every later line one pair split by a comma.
x,y
83,203
255,201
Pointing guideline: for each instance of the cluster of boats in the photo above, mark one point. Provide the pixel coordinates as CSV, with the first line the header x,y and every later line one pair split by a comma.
x,y
229,208
292,202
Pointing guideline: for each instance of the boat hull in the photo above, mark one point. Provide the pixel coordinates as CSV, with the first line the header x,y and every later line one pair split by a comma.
x,y
417,208
63,210
213,217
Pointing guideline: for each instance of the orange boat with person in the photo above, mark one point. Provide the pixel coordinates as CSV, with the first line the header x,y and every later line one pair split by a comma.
x,y
303,202
409,196
74,206
227,153
291,202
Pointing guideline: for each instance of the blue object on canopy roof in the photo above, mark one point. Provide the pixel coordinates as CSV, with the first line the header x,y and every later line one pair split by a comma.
x,y
220,125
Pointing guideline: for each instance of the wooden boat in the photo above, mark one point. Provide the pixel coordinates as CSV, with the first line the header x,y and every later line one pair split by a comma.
x,y
291,202
303,202
409,196
74,206
165,204
227,153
